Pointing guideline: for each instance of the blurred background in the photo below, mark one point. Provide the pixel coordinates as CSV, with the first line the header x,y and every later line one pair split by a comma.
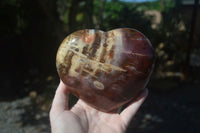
x,y
31,32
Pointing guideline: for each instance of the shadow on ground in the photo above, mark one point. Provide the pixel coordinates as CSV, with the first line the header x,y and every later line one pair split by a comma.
x,y
174,111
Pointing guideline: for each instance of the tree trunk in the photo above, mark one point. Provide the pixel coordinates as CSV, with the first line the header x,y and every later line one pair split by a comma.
x,y
89,14
100,15
72,15
190,40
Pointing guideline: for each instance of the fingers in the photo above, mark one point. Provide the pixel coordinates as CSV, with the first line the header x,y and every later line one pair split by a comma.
x,y
128,113
60,101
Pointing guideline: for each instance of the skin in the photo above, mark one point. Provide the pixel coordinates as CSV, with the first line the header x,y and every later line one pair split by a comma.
x,y
84,119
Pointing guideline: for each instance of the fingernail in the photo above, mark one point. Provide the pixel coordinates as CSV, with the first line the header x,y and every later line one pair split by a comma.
x,y
144,93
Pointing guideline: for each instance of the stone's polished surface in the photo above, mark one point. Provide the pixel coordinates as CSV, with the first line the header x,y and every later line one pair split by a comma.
x,y
105,69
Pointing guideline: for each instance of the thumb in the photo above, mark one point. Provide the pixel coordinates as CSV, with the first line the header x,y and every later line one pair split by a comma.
x,y
60,101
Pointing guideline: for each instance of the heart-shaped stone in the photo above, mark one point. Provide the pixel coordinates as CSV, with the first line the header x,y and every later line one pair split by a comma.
x,y
105,69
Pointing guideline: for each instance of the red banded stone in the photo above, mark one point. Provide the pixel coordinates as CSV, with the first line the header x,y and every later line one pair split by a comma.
x,y
105,69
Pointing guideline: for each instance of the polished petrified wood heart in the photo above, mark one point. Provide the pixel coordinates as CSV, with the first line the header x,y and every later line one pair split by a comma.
x,y
105,69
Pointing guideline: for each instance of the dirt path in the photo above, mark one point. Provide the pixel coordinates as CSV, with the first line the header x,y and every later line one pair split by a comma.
x,y
20,116
177,111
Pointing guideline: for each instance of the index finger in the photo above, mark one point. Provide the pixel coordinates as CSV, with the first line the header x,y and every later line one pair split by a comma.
x,y
128,113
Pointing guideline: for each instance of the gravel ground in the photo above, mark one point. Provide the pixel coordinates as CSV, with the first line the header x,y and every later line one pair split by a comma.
x,y
173,112
21,116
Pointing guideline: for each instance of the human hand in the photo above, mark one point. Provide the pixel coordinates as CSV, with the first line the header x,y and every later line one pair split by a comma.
x,y
84,119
